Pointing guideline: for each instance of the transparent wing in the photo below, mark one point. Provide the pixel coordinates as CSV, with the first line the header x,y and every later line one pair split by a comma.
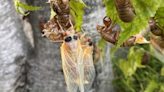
x,y
89,70
158,51
72,64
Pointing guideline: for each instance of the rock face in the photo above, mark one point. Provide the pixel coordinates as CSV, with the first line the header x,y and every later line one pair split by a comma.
x,y
24,68
14,48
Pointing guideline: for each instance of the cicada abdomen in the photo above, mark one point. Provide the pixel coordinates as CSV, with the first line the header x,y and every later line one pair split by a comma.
x,y
62,9
125,10
155,29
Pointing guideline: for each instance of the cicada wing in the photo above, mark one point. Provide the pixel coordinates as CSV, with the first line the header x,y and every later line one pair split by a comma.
x,y
158,51
89,70
80,68
72,64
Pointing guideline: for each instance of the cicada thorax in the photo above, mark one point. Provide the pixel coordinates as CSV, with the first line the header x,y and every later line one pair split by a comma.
x,y
62,9
125,10
155,29
52,31
86,42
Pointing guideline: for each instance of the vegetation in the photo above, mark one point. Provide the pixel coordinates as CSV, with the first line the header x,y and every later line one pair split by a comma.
x,y
133,74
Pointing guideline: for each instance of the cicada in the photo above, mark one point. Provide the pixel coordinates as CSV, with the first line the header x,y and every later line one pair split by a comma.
x,y
110,35
77,62
53,31
126,10
155,29
62,9
97,55
157,43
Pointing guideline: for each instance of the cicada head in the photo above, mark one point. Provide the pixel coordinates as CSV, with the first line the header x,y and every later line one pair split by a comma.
x,y
71,39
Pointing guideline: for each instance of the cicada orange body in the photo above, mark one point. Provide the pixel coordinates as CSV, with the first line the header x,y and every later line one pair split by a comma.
x,y
77,62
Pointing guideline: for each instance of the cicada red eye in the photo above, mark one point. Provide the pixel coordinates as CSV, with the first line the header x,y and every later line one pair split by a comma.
x,y
89,40
76,31
64,34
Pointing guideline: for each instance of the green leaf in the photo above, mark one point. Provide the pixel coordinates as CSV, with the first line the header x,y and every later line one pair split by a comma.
x,y
128,67
78,7
144,10
17,8
151,86
151,49
138,57
161,88
162,71
113,50
81,1
102,44
19,5
52,13
162,5
134,61
21,11
27,7
111,11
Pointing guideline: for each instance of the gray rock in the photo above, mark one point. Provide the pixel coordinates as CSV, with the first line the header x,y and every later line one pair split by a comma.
x,y
13,49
